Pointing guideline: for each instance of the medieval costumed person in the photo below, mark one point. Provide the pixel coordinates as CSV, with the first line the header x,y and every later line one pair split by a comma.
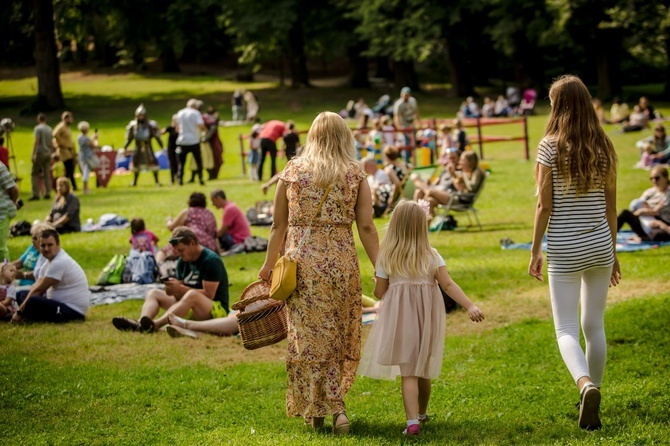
x,y
141,130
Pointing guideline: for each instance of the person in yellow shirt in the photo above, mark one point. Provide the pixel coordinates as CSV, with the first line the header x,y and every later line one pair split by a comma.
x,y
619,111
64,145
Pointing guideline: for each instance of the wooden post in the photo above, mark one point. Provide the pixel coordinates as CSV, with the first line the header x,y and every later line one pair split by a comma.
x,y
481,143
244,163
525,136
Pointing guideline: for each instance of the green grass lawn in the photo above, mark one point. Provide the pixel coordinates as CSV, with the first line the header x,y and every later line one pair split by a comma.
x,y
503,381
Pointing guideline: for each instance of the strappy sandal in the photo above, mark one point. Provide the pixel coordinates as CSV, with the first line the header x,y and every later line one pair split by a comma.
x,y
342,427
314,422
177,321
589,418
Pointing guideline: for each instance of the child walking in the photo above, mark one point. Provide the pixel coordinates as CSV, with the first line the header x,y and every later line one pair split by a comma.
x,y
407,339
8,305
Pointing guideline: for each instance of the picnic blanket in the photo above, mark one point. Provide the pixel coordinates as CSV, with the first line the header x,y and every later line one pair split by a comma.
x,y
112,294
623,244
107,222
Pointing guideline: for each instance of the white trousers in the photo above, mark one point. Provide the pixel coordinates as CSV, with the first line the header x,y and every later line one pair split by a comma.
x,y
566,289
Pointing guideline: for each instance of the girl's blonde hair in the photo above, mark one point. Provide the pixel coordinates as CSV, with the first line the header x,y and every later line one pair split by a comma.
x,y
330,149
405,250
585,156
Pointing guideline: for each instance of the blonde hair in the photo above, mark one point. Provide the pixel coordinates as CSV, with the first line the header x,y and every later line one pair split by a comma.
x,y
65,182
330,149
590,161
405,250
83,126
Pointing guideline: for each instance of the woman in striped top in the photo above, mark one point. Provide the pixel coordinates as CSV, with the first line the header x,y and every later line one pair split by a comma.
x,y
576,183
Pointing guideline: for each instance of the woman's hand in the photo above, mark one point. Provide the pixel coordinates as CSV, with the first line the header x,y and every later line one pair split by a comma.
x,y
475,314
616,273
265,273
535,267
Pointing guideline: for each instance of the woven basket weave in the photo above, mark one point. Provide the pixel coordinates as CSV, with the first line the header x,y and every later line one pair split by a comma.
x,y
264,325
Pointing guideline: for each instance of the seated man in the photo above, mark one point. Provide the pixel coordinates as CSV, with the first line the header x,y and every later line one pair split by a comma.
x,y
60,293
201,287
234,225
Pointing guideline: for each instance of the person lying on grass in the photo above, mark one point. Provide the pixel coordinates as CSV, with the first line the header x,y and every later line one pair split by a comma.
x,y
201,287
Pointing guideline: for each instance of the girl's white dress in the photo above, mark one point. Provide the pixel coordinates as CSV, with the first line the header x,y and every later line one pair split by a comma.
x,y
407,338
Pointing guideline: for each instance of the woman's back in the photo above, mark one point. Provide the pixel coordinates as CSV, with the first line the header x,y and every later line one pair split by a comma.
x,y
578,235
203,223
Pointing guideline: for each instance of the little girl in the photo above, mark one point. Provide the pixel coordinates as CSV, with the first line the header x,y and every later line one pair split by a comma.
x,y
407,338
8,305
254,153
141,239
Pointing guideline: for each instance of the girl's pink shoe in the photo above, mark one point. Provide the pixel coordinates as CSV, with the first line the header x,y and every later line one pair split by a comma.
x,y
412,430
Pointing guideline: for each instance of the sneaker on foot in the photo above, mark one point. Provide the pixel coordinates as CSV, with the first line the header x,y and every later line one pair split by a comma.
x,y
424,419
33,198
414,429
589,408
125,324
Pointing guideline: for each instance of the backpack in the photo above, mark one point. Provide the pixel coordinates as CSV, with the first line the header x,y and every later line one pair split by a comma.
x,y
255,244
261,214
111,274
142,266
19,228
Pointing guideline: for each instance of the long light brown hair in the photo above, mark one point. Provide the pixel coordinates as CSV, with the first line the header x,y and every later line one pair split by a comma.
x,y
405,250
585,156
330,149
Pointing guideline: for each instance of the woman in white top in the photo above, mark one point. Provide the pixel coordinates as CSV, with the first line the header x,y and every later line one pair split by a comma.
x,y
576,181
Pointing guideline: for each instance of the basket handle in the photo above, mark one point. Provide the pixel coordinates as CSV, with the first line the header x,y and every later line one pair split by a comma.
x,y
240,305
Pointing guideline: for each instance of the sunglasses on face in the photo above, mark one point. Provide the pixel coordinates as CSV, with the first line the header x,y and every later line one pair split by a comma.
x,y
175,240
654,178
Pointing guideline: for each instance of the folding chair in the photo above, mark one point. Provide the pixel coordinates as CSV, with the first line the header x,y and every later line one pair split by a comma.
x,y
467,208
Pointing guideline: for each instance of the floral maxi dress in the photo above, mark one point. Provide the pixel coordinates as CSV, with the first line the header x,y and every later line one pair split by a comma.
x,y
324,330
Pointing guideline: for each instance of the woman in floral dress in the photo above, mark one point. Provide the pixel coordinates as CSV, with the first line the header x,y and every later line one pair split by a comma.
x,y
324,333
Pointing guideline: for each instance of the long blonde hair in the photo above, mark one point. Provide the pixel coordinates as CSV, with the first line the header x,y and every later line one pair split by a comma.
x,y
330,149
405,250
585,156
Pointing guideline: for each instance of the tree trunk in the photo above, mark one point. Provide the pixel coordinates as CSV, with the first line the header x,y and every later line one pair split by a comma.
x,y
296,54
608,43
383,68
666,92
461,82
405,75
49,94
169,60
358,67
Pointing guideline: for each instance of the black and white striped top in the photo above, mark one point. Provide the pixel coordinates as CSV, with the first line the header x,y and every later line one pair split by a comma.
x,y
578,237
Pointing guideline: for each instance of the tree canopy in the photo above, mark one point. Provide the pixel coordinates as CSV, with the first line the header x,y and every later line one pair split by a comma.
x,y
463,42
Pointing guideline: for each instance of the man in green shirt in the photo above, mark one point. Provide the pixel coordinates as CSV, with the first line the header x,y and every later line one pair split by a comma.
x,y
201,287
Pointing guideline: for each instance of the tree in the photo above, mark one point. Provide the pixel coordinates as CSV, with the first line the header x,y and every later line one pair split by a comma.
x,y
49,94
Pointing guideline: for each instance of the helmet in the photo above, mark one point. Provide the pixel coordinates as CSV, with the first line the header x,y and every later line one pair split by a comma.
x,y
141,110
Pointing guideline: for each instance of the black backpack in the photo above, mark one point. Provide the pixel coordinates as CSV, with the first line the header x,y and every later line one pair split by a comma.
x,y
19,228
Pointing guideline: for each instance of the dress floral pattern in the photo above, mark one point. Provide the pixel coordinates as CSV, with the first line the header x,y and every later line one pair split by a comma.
x,y
324,330
203,223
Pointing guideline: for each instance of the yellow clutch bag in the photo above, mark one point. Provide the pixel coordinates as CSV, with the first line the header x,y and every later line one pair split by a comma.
x,y
284,278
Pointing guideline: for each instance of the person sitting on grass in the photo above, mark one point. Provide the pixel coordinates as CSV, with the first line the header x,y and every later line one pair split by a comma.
x,y
28,264
64,215
201,287
8,305
234,225
61,292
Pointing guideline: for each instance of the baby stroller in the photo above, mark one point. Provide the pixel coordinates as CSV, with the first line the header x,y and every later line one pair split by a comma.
x,y
528,102
383,106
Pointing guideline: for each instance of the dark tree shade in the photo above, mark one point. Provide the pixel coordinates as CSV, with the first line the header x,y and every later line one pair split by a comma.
x,y
49,94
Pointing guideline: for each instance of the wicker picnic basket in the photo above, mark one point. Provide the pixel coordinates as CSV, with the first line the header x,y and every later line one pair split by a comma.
x,y
260,325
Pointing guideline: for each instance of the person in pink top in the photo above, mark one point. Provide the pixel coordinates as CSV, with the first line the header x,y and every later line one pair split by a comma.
x,y
234,226
142,239
270,133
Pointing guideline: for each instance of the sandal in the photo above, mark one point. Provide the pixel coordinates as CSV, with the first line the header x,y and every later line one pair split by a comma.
x,y
178,332
177,321
340,427
314,422
589,418
147,324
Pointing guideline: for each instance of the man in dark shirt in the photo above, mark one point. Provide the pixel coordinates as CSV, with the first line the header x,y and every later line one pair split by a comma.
x,y
291,140
201,287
